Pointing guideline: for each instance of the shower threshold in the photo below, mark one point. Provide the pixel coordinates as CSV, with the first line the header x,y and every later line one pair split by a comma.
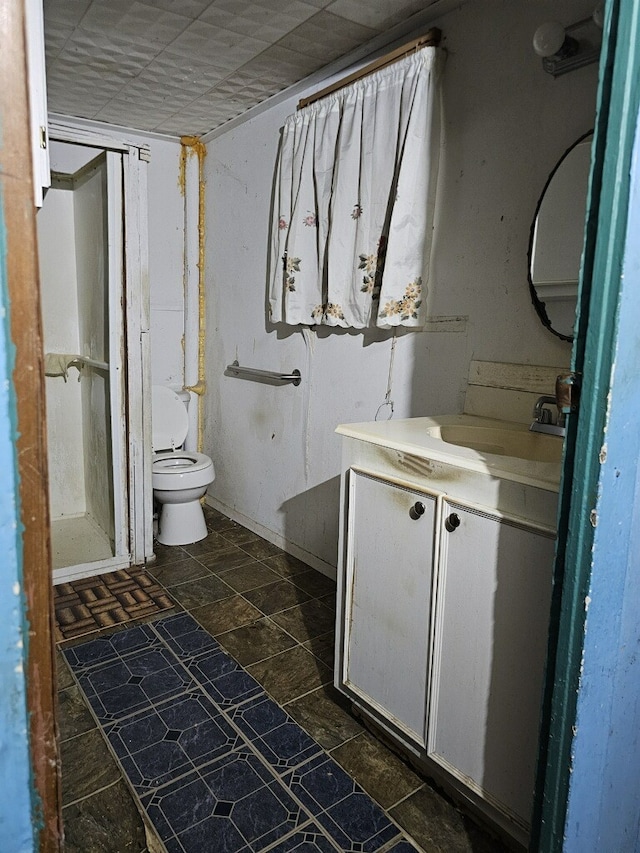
x,y
81,548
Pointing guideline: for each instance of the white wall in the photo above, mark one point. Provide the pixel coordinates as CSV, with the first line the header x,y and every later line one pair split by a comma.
x,y
166,251
506,123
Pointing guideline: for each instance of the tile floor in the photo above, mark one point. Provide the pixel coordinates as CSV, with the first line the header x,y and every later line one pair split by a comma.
x,y
222,715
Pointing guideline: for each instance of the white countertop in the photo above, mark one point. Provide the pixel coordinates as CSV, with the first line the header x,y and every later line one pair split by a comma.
x,y
411,436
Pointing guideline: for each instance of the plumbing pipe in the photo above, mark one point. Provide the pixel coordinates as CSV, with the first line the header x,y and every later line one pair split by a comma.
x,y
192,185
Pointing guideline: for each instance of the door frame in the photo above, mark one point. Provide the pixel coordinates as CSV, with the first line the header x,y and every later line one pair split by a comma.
x,y
136,308
603,349
34,665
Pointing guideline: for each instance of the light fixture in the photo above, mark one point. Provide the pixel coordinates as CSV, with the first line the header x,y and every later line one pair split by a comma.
x,y
564,49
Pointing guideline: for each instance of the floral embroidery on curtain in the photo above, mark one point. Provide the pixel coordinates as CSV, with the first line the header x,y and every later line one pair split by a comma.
x,y
353,206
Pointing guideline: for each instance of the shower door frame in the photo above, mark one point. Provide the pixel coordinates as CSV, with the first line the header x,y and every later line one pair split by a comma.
x,y
136,362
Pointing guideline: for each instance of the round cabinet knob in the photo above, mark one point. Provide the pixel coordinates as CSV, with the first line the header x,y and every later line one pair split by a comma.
x,y
417,510
452,522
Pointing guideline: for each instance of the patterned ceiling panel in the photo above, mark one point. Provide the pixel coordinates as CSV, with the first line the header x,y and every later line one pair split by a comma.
x,y
188,66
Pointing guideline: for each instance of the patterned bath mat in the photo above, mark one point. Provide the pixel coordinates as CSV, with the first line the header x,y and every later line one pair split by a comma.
x,y
104,601
215,762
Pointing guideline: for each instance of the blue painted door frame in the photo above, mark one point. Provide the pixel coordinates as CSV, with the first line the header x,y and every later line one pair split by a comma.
x,y
588,797
18,804
605,815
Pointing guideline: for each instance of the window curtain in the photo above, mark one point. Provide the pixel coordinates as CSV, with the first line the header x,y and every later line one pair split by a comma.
x,y
353,202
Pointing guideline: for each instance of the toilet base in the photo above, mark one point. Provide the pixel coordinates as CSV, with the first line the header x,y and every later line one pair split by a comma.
x,y
181,524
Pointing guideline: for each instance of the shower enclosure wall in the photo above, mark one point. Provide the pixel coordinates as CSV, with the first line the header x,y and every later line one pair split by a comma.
x,y
100,506
81,282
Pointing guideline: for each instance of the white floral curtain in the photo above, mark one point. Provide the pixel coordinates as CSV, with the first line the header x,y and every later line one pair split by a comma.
x,y
353,202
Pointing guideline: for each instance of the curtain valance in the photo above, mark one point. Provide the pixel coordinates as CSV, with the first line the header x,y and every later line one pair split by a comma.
x,y
353,202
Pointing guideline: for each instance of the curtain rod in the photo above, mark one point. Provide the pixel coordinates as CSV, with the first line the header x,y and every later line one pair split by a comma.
x,y
430,39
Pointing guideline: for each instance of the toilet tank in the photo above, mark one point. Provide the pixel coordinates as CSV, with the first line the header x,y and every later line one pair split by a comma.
x,y
169,418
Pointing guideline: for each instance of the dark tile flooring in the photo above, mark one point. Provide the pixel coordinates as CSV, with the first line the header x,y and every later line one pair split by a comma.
x,y
223,718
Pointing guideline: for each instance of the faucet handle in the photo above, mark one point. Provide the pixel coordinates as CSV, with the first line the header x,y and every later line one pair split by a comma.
x,y
545,415
567,392
539,412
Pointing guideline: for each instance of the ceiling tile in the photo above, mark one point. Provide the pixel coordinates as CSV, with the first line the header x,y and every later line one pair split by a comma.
x,y
65,11
56,37
73,74
190,8
133,21
188,66
221,47
197,118
150,95
273,70
268,20
326,37
245,88
182,70
129,115
177,126
117,54
85,101
280,59
379,15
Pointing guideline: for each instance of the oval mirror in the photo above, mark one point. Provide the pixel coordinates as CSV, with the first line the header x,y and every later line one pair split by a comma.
x,y
557,234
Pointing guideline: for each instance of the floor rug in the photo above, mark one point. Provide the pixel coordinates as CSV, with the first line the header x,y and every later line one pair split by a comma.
x,y
104,601
215,763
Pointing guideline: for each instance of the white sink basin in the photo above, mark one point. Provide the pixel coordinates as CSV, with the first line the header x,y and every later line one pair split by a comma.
x,y
536,447
505,450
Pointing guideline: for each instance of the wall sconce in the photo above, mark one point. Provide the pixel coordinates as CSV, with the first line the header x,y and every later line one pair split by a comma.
x,y
564,49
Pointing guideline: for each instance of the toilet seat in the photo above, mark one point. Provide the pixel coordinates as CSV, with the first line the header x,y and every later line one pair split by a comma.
x,y
169,419
179,461
181,471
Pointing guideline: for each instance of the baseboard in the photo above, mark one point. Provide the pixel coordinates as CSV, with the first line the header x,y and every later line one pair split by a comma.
x,y
273,537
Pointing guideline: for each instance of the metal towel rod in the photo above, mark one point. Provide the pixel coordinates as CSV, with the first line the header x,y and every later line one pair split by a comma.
x,y
263,375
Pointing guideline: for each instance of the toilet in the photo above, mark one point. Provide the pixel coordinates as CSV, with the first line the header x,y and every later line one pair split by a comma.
x,y
179,477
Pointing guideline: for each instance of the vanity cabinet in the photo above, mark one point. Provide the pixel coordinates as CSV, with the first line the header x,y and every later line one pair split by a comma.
x,y
388,581
444,588
489,650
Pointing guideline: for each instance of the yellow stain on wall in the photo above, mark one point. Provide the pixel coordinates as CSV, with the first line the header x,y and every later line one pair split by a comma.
x,y
192,146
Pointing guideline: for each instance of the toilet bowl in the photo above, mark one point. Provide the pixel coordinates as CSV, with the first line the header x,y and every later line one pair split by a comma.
x,y
179,477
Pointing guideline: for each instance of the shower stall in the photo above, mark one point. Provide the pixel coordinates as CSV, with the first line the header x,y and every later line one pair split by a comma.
x,y
99,508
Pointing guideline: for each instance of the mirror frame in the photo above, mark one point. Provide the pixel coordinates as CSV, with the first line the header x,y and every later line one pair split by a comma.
x,y
540,306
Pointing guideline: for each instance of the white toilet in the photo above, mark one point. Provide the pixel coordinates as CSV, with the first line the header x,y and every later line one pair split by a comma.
x,y
179,477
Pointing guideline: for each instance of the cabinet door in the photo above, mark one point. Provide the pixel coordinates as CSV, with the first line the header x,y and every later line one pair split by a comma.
x,y
390,540
494,592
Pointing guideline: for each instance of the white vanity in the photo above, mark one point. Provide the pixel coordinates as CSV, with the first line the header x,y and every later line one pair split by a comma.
x,y
444,587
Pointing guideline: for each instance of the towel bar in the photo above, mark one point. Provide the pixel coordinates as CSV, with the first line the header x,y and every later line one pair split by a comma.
x,y
92,362
263,375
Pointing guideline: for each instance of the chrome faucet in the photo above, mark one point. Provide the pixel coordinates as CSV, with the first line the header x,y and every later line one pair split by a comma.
x,y
543,418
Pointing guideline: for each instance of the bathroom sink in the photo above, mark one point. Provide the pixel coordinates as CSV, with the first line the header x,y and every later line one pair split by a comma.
x,y
522,444
506,450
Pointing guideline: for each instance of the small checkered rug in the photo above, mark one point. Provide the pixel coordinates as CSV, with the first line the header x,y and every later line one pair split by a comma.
x,y
103,601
